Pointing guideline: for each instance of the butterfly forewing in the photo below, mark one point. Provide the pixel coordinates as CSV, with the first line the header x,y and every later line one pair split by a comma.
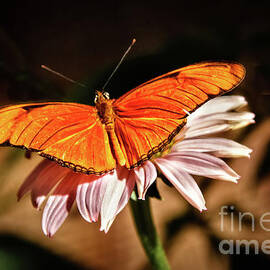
x,y
68,133
149,116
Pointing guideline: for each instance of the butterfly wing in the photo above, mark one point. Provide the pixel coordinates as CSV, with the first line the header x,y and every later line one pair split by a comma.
x,y
149,116
68,133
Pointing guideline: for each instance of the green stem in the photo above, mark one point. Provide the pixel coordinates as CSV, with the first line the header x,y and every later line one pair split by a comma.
x,y
148,234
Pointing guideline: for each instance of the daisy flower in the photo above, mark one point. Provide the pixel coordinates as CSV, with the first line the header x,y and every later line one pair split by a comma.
x,y
193,152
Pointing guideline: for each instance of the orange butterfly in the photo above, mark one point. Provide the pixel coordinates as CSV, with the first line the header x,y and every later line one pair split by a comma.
x,y
125,131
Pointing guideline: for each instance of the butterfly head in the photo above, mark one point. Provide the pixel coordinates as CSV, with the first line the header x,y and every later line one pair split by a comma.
x,y
101,96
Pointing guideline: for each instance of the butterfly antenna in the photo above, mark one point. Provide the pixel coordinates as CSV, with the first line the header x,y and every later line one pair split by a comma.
x,y
63,76
120,62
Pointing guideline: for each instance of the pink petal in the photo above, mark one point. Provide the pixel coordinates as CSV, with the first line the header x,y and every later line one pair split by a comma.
x,y
54,214
96,195
203,164
59,204
145,175
218,146
183,182
42,179
116,195
81,199
90,193
30,180
46,180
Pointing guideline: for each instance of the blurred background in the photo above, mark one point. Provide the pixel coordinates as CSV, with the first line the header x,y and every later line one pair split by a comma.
x,y
85,40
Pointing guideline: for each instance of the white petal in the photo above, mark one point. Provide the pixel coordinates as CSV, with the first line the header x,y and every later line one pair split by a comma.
x,y
127,192
38,201
219,104
145,176
241,124
206,128
116,195
214,123
183,182
224,116
203,164
218,146
112,196
231,116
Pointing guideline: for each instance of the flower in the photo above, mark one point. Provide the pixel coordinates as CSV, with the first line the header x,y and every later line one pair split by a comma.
x,y
192,153
195,153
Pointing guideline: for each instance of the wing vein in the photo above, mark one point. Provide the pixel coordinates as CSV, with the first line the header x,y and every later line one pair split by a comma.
x,y
61,129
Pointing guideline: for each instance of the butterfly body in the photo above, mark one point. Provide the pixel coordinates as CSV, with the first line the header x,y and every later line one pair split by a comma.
x,y
125,131
107,116
105,109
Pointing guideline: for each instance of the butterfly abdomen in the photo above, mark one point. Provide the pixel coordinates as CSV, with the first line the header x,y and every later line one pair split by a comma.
x,y
116,149
107,116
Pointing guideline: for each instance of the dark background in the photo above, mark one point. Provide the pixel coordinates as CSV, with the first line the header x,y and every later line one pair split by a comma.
x,y
85,40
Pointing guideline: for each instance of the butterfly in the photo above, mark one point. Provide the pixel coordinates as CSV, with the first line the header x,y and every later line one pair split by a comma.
x,y
117,132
